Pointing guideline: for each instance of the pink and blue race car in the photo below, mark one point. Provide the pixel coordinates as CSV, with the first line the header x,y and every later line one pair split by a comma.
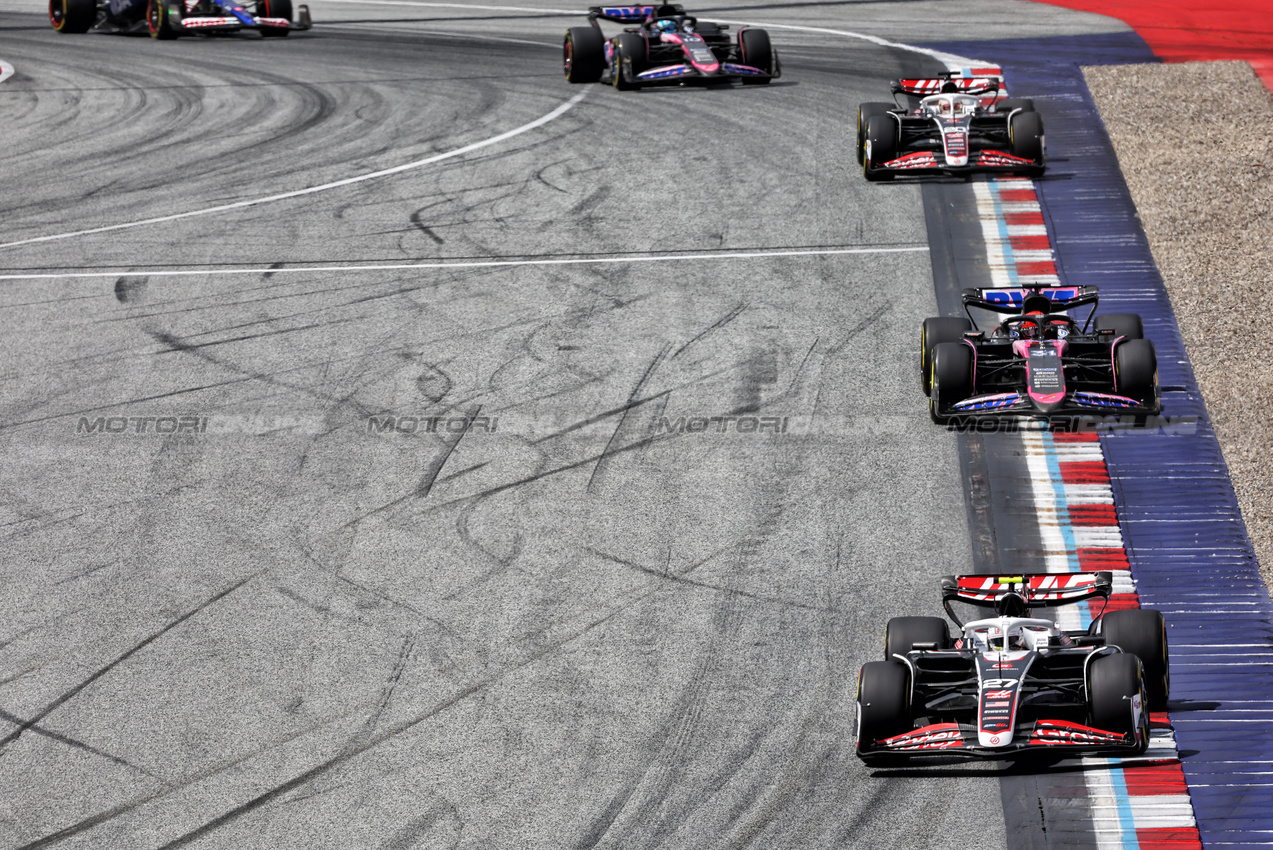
x,y
666,46
1037,361
167,19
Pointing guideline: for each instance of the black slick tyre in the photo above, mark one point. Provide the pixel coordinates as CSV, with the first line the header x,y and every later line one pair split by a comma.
x,y
1135,368
952,378
629,57
274,9
865,111
1143,633
904,633
879,146
933,332
583,54
72,16
1113,683
1025,137
883,701
158,21
754,50
1126,325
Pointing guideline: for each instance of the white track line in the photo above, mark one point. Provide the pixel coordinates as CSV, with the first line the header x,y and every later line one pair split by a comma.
x,y
419,163
6,70
476,264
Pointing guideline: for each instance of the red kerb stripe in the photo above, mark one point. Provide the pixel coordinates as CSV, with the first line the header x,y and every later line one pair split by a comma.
x,y
1093,515
1082,437
1122,602
1104,558
1155,779
1029,243
1084,472
1045,267
1169,838
1023,218
1017,196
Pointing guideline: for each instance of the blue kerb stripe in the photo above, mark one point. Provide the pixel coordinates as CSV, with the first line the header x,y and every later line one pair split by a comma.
x,y
1125,818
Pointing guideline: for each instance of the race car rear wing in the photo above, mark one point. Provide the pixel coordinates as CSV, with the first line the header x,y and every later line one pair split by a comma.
x,y
946,83
1011,300
631,14
1038,590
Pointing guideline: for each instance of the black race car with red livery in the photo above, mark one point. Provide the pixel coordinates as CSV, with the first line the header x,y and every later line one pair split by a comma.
x,y
167,19
953,125
666,47
1037,361
1013,685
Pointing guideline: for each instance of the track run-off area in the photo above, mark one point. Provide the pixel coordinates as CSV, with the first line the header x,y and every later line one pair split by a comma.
x,y
432,553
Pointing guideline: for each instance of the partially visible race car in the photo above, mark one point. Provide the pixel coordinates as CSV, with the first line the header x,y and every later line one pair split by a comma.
x,y
666,46
168,19
1037,361
1013,685
955,125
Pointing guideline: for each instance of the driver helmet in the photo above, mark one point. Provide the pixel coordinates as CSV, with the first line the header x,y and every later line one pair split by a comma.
x,y
1027,330
664,26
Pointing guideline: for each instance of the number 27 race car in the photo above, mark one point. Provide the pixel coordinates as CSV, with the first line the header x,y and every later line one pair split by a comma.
x,y
1013,685
166,19
667,47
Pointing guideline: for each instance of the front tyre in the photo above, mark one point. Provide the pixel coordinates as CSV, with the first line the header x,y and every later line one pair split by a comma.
x,y
879,147
883,702
952,379
1025,138
158,21
754,49
934,332
583,54
865,111
629,58
1136,369
72,16
1116,696
1143,633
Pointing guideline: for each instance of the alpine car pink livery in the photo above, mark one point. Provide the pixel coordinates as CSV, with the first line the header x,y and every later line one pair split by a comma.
x,y
166,19
666,47
1012,684
952,125
1037,361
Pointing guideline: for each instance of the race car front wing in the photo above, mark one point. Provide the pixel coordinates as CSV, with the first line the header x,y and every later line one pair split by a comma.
x,y
1039,736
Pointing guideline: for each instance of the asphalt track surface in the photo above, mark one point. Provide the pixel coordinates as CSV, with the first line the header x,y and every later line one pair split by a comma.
x,y
559,627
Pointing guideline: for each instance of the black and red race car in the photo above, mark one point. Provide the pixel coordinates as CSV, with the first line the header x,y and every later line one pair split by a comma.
x,y
954,125
1037,361
666,47
1013,685
166,19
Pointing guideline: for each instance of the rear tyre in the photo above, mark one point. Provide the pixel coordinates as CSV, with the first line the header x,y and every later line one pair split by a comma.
x,y
1115,684
629,53
933,333
879,147
1025,138
72,16
1008,104
158,22
883,701
1135,368
1126,325
952,378
904,632
865,111
274,9
1143,633
583,54
754,49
